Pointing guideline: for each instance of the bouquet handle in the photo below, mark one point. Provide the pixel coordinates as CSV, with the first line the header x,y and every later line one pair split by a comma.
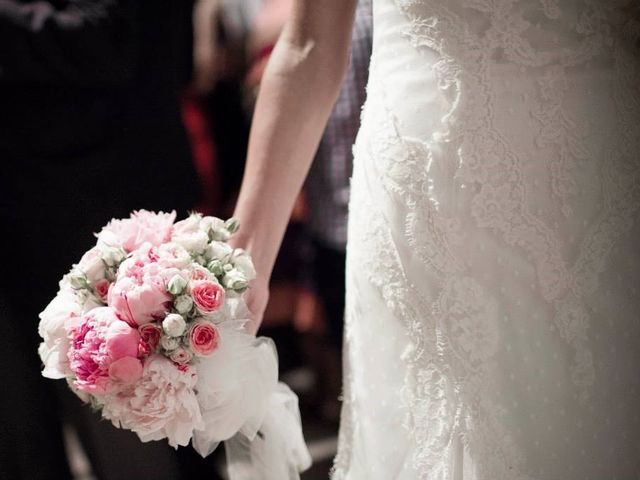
x,y
277,451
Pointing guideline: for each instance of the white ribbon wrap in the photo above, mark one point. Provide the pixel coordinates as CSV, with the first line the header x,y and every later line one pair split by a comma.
x,y
243,405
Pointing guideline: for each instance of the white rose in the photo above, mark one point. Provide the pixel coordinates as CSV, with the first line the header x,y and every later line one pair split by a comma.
x,y
183,303
218,251
221,234
242,261
169,343
195,242
235,280
211,224
174,325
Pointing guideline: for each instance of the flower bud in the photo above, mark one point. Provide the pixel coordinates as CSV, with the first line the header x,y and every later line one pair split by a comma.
x,y
183,304
78,280
216,267
176,285
174,325
232,225
112,256
169,343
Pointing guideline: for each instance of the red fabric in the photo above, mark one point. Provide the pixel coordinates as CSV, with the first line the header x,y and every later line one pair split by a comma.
x,y
204,152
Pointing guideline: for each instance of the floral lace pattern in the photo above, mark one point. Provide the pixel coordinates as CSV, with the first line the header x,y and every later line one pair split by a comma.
x,y
418,200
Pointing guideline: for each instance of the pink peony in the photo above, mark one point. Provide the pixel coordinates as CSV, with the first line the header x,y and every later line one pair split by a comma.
x,y
97,342
207,295
161,404
122,340
142,226
126,370
139,294
203,338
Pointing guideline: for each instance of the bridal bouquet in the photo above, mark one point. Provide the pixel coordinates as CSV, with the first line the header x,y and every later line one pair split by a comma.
x,y
148,329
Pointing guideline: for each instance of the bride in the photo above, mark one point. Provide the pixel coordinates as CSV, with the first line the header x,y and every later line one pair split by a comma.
x,y
493,275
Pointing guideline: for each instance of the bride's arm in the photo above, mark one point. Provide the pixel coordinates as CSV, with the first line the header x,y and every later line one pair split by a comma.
x,y
297,93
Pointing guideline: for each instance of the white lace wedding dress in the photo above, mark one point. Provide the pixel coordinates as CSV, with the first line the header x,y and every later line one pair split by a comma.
x,y
493,306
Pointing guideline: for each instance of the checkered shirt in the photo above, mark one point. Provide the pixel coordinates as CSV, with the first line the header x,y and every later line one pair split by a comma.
x,y
327,185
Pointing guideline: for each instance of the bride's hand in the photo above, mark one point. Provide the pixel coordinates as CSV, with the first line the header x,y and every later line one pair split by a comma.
x,y
256,298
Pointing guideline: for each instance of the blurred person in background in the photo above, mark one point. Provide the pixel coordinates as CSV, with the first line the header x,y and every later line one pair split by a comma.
x,y
327,195
215,115
90,129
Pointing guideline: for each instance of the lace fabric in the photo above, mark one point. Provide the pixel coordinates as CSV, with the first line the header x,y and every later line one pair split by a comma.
x,y
492,311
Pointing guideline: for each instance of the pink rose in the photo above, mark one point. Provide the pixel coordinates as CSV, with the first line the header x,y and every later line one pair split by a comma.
x,y
207,295
142,226
181,356
203,338
199,273
150,335
101,289
139,294
99,341
173,255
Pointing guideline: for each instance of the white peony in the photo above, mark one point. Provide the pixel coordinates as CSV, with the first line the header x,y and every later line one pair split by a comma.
x,y
161,404
56,321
